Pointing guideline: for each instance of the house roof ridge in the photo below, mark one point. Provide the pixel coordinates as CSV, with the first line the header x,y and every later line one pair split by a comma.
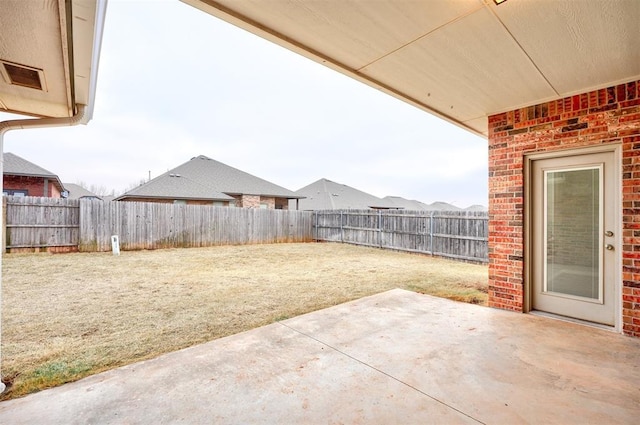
x,y
206,175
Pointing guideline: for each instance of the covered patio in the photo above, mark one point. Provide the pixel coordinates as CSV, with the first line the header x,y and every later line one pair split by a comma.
x,y
395,357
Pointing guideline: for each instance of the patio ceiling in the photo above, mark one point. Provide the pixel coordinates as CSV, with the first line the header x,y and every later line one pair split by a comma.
x,y
461,60
49,52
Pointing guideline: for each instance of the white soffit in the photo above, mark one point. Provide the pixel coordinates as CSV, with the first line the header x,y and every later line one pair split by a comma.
x,y
31,36
60,40
458,59
578,45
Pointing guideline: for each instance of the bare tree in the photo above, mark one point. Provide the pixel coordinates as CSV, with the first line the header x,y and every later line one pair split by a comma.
x,y
134,185
99,190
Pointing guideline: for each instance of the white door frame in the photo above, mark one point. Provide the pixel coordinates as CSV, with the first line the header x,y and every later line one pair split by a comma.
x,y
528,160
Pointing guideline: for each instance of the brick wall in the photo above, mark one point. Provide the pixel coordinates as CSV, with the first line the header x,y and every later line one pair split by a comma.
x,y
281,203
270,202
248,201
34,185
257,201
606,116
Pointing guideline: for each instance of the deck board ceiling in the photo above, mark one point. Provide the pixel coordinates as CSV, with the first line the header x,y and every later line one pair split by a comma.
x,y
48,55
459,59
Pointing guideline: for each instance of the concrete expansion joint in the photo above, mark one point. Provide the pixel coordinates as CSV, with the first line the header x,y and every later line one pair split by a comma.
x,y
381,371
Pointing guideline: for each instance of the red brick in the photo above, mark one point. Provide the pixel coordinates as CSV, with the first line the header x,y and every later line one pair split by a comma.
x,y
612,117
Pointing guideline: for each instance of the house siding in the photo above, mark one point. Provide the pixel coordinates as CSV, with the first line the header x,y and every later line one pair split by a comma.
x,y
607,116
36,186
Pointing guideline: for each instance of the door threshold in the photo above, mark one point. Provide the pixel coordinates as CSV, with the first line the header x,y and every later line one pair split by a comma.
x,y
573,320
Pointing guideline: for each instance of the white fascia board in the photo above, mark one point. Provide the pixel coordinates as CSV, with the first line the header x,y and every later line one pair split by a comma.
x,y
88,17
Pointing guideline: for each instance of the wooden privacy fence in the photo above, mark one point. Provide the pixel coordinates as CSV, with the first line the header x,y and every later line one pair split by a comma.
x,y
454,234
87,225
41,223
146,225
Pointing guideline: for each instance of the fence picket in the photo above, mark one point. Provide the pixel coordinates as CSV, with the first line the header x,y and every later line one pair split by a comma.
x,y
455,234
87,225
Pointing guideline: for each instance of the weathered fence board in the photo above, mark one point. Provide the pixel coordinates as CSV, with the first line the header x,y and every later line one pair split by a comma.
x,y
41,223
141,225
455,234
87,225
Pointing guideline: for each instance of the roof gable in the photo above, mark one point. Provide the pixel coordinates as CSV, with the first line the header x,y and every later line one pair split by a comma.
x,y
325,194
13,165
407,204
204,178
18,166
76,192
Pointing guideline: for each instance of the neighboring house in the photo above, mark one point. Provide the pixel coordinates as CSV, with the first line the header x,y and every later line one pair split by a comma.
x,y
328,195
477,207
205,181
75,191
24,178
413,205
406,204
442,206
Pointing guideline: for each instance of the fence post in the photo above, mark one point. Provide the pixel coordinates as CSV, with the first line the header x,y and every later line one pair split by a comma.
x,y
341,229
380,228
4,225
315,233
431,233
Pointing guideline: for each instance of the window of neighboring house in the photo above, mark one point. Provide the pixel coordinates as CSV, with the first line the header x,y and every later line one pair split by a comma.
x,y
264,206
218,203
10,192
180,201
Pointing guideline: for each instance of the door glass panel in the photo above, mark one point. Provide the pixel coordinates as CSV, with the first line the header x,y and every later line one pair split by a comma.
x,y
572,226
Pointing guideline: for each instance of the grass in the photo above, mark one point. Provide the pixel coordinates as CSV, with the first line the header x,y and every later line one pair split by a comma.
x,y
66,316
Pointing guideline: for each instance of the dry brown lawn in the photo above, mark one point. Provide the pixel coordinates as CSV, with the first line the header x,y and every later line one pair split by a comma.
x,y
66,316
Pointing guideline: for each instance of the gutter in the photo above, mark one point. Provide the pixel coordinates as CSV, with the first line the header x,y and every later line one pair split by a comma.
x,y
6,126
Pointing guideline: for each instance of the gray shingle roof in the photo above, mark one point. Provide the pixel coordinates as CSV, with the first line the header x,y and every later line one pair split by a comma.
x,y
328,195
205,178
407,204
442,206
17,166
76,191
476,207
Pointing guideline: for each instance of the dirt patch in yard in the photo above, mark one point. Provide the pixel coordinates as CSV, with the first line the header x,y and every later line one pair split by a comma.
x,y
67,316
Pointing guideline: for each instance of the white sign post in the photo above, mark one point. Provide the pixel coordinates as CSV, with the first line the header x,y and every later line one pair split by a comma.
x,y
115,245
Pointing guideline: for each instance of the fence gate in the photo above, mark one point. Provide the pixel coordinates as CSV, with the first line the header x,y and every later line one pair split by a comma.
x,y
35,223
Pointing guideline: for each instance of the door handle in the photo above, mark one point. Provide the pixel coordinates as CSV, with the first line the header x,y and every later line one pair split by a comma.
x,y
608,233
609,247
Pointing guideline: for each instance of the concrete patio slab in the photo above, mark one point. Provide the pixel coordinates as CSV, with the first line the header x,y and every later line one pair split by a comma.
x,y
397,357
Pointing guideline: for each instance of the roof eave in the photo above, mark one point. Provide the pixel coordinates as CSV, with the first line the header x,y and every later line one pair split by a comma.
x,y
220,11
265,195
185,198
87,31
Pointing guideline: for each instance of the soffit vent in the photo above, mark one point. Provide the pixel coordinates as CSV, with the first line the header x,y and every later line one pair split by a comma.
x,y
23,76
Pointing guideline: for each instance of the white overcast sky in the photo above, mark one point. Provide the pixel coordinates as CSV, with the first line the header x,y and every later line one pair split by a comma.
x,y
175,83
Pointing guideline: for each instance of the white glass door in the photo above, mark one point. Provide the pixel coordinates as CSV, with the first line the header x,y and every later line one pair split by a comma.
x,y
573,237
